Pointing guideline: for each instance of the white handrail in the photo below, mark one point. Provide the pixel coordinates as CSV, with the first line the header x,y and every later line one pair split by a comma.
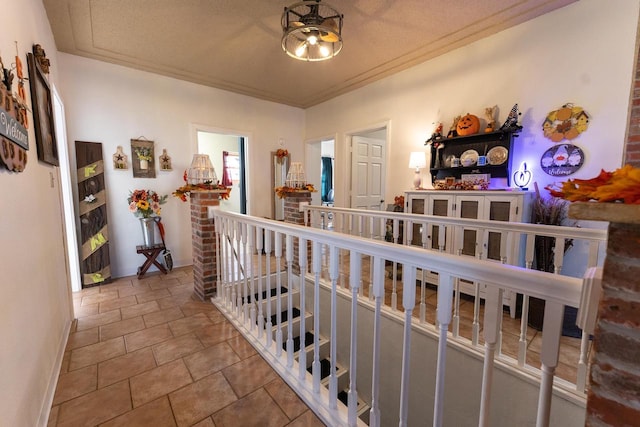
x,y
555,289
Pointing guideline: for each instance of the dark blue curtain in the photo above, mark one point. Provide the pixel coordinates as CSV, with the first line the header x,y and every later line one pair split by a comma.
x,y
327,178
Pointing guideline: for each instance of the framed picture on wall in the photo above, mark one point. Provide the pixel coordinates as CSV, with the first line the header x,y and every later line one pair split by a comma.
x,y
42,113
142,157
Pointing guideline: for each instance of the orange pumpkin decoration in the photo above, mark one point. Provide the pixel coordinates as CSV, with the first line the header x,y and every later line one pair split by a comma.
x,y
468,125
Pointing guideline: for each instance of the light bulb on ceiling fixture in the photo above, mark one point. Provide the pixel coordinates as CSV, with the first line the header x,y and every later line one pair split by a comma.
x,y
301,49
324,51
312,39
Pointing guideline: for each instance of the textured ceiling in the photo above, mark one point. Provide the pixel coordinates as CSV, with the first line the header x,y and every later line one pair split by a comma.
x,y
235,44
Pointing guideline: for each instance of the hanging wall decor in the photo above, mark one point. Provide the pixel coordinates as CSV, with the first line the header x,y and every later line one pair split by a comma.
x,y
14,139
165,161
562,160
567,122
120,160
42,113
142,158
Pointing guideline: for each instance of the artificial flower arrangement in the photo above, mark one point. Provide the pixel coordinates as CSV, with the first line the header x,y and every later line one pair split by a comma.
x,y
143,153
145,203
281,192
183,192
620,185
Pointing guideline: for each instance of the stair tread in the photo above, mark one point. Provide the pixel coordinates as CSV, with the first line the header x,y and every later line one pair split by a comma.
x,y
274,292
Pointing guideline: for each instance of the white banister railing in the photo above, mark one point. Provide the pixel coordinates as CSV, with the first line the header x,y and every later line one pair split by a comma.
x,y
517,247
329,320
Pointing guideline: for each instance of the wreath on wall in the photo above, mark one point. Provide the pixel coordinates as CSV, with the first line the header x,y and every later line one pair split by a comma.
x,y
565,123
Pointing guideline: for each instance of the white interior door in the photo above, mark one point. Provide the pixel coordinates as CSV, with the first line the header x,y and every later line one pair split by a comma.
x,y
368,167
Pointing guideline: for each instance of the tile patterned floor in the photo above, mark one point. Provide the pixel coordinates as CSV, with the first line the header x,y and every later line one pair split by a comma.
x,y
146,353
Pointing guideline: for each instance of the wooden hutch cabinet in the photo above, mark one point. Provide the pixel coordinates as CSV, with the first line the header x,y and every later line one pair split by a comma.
x,y
510,206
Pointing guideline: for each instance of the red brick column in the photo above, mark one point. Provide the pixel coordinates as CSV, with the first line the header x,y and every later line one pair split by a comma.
x,y
203,242
614,394
632,143
293,215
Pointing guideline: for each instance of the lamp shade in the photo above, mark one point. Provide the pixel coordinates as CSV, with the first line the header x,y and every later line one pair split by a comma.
x,y
201,170
418,160
312,31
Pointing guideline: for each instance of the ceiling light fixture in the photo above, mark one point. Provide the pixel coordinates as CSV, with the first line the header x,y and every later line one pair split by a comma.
x,y
311,31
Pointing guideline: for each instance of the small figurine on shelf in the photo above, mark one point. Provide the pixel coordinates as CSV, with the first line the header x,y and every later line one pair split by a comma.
x,y
435,136
489,114
511,124
453,129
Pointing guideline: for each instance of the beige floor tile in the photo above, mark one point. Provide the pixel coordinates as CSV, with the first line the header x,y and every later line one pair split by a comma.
x,y
180,289
175,348
201,399
85,310
163,284
308,419
95,353
157,382
147,337
152,295
286,398
244,413
99,297
207,422
76,383
53,416
215,316
154,414
188,324
192,307
210,360
89,322
123,327
117,303
135,289
125,366
162,316
174,301
96,407
82,338
242,383
241,347
139,309
216,333
87,291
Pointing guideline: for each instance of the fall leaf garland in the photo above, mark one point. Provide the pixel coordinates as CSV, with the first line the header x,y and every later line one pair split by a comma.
x,y
620,185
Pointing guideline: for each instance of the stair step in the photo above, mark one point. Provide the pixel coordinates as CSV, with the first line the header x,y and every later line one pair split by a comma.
x,y
284,316
284,302
274,291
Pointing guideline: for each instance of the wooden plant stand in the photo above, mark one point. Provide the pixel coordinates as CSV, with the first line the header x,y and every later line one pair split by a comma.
x,y
151,253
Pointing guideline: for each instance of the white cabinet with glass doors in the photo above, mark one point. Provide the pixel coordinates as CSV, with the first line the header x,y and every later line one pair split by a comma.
x,y
490,245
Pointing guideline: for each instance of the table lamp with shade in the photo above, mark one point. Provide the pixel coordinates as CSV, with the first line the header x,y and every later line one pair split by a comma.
x,y
417,161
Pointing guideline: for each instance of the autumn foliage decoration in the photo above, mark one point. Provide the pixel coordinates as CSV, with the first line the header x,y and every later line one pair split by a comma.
x,y
621,185
183,192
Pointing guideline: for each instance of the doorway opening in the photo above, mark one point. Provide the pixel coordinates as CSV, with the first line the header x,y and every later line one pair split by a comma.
x,y
320,170
227,151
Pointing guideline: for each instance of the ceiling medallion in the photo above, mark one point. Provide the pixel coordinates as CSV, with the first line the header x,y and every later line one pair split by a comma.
x,y
312,31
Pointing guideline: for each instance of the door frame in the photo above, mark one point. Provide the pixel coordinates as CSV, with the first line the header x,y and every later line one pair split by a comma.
x,y
312,156
365,131
247,136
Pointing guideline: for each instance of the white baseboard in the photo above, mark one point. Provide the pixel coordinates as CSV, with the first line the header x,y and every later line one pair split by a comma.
x,y
43,420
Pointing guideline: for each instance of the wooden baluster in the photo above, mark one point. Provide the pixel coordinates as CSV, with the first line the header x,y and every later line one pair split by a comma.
x,y
492,313
456,307
302,355
251,272
355,267
475,325
423,282
267,250
244,269
333,379
394,291
259,248
445,288
278,254
583,364
408,302
377,267
522,343
552,329
289,260
315,366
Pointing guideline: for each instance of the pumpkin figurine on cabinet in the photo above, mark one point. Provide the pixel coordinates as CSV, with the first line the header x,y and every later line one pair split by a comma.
x,y
468,125
489,114
452,130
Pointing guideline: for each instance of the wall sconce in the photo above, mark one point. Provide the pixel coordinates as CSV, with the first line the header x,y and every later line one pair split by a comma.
x,y
418,160
522,177
201,170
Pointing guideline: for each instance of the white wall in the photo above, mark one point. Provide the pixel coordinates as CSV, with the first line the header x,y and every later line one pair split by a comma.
x,y
113,104
582,53
35,298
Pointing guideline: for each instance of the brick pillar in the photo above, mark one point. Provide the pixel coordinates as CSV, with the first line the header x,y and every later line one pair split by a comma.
x,y
614,394
632,142
293,215
203,242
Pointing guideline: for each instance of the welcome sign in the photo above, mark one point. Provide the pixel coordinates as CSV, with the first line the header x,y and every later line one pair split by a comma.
x,y
11,129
